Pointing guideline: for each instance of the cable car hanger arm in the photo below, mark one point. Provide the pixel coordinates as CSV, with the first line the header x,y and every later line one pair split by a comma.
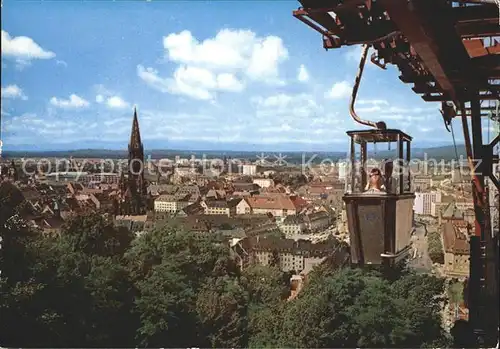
x,y
377,125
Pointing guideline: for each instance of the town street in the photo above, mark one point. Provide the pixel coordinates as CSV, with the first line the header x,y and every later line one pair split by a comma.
x,y
421,262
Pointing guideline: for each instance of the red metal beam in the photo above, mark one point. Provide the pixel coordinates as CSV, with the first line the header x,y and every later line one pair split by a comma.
x,y
483,109
421,88
484,12
324,19
416,79
487,62
482,235
351,4
440,98
303,16
478,29
412,26
475,47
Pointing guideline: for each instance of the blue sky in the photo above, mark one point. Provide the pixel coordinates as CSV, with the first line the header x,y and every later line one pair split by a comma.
x,y
209,74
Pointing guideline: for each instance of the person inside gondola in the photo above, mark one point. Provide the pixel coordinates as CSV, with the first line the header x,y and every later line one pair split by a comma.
x,y
375,183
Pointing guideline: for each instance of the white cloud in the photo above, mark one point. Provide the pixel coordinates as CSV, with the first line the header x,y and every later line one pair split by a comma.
x,y
230,50
340,90
114,102
221,63
194,82
150,76
289,118
303,74
277,101
296,116
371,109
284,127
301,107
13,92
353,55
111,99
372,102
228,82
407,110
102,90
117,102
74,102
23,49
266,55
22,129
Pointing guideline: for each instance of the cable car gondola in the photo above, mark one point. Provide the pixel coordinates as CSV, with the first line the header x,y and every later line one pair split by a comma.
x,y
379,205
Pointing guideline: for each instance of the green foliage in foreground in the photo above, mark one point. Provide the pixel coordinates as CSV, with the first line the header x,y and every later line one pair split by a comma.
x,y
95,286
455,291
436,252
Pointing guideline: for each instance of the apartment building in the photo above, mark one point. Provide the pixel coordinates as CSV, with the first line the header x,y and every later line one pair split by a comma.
x,y
456,250
318,221
171,203
437,208
243,207
107,178
249,169
289,254
422,183
278,205
263,182
301,226
293,226
423,202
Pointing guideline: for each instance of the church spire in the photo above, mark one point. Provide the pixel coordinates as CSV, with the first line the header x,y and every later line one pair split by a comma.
x,y
135,136
135,186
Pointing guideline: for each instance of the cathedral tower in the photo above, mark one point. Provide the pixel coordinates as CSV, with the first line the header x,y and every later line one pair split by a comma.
x,y
134,191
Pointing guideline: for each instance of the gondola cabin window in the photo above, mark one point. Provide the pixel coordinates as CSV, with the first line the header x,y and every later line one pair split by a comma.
x,y
379,201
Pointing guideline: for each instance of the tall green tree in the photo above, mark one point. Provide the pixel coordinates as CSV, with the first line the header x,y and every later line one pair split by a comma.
x,y
170,268
267,288
93,234
357,308
74,295
98,286
222,310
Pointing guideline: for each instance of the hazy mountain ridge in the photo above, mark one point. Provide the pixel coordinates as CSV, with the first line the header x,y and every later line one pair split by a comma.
x,y
442,152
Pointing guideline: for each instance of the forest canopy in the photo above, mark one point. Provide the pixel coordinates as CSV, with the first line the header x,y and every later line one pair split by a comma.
x,y
98,286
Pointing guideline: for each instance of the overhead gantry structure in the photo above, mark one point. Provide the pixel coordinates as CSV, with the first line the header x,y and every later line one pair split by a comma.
x,y
438,46
450,52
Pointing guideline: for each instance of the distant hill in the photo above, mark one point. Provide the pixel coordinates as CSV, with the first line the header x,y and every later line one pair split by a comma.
x,y
441,152
438,153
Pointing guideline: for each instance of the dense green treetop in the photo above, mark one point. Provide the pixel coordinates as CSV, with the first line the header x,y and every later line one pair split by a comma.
x,y
98,286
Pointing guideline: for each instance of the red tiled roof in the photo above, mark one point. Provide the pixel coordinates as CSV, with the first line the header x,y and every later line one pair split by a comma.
x,y
274,202
298,202
454,242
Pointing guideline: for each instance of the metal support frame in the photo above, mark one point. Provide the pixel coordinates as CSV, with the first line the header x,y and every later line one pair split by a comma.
x,y
329,40
408,157
363,165
438,42
481,288
401,161
490,160
353,165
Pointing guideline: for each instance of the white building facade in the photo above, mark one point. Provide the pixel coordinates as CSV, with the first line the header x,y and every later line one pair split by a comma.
x,y
423,202
249,170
